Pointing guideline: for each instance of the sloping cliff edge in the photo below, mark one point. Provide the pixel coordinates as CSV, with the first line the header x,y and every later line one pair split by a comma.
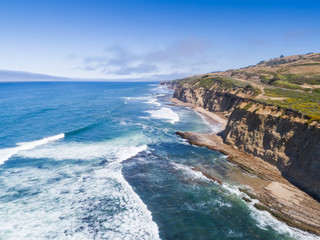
x,y
282,137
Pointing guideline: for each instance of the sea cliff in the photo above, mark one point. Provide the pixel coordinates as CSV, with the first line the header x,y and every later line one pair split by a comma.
x,y
282,137
271,130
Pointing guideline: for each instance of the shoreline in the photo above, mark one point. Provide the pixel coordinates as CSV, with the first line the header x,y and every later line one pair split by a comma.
x,y
212,118
275,194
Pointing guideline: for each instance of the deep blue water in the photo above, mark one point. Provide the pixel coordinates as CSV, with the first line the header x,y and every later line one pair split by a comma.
x,y
102,161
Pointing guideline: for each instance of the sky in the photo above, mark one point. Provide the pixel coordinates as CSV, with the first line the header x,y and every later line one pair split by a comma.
x,y
148,40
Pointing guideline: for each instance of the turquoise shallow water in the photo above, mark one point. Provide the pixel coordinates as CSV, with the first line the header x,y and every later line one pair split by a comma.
x,y
102,161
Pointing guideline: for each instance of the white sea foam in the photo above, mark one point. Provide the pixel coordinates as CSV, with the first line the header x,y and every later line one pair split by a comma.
x,y
232,189
213,127
187,171
6,153
129,152
134,223
123,123
145,99
265,219
161,89
153,101
75,201
164,113
142,98
183,141
142,117
113,150
69,151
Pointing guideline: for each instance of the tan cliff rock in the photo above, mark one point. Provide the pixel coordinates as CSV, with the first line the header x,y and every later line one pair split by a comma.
x,y
211,100
281,137
288,143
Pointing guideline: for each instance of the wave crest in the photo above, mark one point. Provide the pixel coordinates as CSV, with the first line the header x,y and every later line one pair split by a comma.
x,y
165,113
7,153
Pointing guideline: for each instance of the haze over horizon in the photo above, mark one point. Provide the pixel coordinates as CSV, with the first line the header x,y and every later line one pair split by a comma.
x,y
149,40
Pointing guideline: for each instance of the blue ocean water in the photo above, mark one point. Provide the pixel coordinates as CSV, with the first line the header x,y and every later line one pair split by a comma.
x,y
102,161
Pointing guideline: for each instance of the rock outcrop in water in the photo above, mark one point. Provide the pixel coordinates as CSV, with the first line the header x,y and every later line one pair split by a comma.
x,y
283,137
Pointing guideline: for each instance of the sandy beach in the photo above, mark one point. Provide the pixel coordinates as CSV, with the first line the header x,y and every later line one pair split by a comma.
x,y
261,180
210,117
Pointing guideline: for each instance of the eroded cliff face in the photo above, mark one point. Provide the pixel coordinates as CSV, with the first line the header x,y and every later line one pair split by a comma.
x,y
212,100
169,84
281,137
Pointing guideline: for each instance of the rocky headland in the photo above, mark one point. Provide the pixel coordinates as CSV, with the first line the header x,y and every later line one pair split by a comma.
x,y
279,144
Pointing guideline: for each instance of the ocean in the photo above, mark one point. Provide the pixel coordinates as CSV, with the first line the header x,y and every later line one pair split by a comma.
x,y
94,160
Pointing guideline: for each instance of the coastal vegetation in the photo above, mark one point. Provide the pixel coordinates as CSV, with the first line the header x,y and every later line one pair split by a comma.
x,y
272,113
307,103
220,83
291,82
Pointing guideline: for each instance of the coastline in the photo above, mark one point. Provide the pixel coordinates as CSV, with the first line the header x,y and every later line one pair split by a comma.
x,y
212,118
275,194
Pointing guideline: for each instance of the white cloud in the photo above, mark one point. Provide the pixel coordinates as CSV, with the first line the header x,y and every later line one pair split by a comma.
x,y
186,57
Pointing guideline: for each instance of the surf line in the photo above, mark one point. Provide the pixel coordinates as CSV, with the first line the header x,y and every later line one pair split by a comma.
x,y
7,153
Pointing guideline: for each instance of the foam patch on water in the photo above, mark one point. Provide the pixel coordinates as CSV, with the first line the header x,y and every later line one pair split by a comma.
x,y
187,170
129,152
213,127
164,113
264,219
161,89
144,99
153,101
7,153
232,189
74,201
113,150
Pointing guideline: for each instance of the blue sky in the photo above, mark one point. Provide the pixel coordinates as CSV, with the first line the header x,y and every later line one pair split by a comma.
x,y
151,40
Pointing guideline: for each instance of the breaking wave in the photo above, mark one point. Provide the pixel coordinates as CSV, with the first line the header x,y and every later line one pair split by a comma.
x,y
164,113
73,201
7,153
